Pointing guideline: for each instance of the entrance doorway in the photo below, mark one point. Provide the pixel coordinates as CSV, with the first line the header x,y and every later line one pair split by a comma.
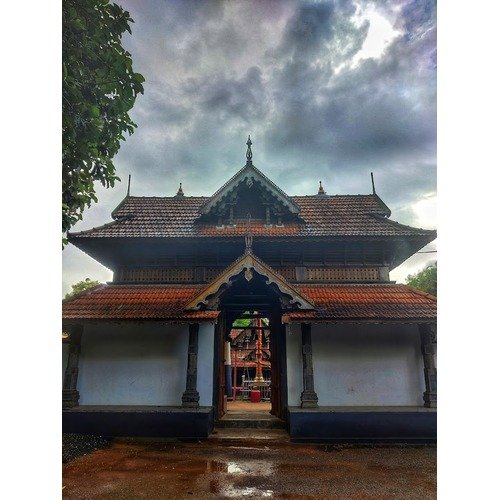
x,y
250,355
248,361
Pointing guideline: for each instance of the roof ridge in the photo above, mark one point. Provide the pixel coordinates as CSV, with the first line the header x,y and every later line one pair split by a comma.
x,y
180,199
324,196
153,285
351,284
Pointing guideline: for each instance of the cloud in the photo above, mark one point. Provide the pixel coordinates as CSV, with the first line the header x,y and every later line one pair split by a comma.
x,y
296,77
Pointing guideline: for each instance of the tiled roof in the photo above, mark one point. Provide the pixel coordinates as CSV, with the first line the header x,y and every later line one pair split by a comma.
x,y
340,215
114,302
377,302
366,302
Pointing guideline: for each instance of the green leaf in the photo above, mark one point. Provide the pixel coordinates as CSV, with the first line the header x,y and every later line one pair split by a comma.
x,y
99,89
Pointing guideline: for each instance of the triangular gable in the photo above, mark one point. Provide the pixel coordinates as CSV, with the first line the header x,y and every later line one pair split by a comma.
x,y
249,175
248,262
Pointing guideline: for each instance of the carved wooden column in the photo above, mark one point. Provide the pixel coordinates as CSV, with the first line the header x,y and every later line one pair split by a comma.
x,y
70,395
430,372
191,397
308,398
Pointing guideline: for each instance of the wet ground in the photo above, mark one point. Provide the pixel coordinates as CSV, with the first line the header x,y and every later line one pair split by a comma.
x,y
225,467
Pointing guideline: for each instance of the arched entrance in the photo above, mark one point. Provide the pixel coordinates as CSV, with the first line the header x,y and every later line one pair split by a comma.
x,y
259,302
251,288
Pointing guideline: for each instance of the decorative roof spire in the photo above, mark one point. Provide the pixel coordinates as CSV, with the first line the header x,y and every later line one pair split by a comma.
x,y
321,190
128,187
249,151
180,192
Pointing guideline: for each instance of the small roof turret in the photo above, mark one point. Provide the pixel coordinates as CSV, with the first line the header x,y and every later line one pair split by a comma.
x,y
321,190
180,192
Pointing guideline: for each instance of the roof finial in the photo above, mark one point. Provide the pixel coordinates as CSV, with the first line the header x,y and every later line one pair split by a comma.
x,y
128,187
249,151
248,236
373,183
180,192
321,189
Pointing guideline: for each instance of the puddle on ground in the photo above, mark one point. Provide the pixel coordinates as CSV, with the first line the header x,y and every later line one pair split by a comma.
x,y
232,491
250,467
265,448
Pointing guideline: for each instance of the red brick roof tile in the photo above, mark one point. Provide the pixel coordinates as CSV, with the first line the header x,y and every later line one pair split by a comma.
x,y
170,217
115,302
344,302
366,302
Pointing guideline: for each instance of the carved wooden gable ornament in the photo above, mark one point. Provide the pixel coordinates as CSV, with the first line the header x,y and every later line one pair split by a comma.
x,y
248,264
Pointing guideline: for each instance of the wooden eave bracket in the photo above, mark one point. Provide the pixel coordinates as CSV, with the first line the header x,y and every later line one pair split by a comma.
x,y
249,262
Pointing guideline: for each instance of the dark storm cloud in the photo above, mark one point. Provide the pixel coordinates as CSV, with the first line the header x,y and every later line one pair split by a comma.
x,y
314,26
300,98
293,75
242,98
377,115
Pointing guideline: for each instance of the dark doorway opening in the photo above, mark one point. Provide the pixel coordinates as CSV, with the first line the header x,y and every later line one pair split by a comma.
x,y
250,354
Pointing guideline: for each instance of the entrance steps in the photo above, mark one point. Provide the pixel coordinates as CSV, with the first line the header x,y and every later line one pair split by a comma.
x,y
251,436
249,420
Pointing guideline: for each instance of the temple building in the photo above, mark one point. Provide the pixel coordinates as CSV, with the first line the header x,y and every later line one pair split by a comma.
x,y
251,292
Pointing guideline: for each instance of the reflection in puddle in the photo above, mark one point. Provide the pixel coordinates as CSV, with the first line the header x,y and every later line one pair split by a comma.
x,y
224,484
265,448
234,468
231,491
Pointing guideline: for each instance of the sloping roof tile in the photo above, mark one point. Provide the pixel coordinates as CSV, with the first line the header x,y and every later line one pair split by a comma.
x,y
377,302
366,302
114,302
170,217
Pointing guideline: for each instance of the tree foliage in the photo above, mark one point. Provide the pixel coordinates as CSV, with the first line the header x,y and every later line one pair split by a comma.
x,y
425,280
242,322
81,286
99,88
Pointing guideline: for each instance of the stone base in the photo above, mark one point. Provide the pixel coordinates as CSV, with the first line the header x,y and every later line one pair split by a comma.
x,y
70,398
308,399
139,421
191,399
363,425
430,400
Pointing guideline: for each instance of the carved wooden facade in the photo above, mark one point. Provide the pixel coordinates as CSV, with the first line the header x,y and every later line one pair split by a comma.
x,y
206,274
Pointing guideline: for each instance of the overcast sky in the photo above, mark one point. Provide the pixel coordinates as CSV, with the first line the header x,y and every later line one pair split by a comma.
x,y
329,91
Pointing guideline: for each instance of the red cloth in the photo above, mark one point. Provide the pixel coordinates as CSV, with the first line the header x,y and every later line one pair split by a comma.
x,y
255,396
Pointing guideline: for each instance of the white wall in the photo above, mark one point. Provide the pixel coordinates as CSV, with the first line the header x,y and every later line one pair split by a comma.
x,y
141,364
205,363
359,365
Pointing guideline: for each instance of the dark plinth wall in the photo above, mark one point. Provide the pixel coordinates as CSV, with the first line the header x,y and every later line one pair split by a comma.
x,y
320,425
362,425
144,421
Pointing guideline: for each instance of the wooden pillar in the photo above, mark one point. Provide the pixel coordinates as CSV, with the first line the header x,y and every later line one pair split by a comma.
x,y
191,397
308,398
430,372
70,395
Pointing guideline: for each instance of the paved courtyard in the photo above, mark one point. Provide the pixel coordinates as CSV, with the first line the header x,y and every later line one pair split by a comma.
x,y
233,466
